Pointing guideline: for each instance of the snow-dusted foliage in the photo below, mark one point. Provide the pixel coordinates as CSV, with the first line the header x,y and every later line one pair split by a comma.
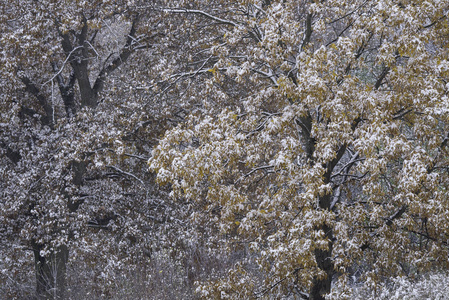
x,y
303,146
430,286
76,131
322,148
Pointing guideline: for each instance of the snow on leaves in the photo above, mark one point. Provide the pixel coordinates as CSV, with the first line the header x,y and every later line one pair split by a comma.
x,y
336,156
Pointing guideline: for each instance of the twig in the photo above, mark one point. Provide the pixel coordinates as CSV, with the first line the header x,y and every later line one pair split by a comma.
x,y
126,173
87,42
63,65
199,12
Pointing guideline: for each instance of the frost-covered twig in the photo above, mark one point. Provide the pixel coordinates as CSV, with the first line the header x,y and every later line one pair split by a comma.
x,y
63,65
198,12
126,173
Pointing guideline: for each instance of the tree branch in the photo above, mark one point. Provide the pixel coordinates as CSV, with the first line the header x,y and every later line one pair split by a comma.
x,y
199,12
14,156
34,90
396,215
381,77
127,173
308,32
66,90
125,52
58,72
305,122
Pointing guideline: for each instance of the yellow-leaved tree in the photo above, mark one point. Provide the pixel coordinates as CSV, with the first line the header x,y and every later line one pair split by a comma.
x,y
322,147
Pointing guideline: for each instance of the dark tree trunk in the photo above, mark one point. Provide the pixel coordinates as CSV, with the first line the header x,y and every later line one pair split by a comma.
x,y
322,286
51,269
50,273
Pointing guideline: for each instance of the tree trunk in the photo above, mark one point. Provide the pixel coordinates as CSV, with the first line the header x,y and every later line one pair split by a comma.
x,y
50,272
322,286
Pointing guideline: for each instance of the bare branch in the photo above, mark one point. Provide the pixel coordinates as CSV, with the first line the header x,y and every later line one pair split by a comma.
x,y
396,215
198,12
63,65
126,173
270,75
349,13
264,168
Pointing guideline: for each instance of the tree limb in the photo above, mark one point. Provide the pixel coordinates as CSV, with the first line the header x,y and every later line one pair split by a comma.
x,y
381,77
127,173
125,52
199,12
14,156
396,215
34,90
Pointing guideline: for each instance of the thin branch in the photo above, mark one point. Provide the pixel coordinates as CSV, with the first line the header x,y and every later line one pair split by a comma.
x,y
433,23
401,113
270,75
199,12
126,173
104,227
341,33
426,236
349,13
126,154
267,289
63,65
93,48
347,166
136,156
381,77
264,168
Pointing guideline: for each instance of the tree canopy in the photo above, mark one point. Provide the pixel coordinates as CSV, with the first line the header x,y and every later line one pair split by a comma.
x,y
333,157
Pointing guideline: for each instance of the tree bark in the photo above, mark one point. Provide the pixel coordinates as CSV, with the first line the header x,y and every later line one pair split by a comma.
x,y
50,272
47,118
322,285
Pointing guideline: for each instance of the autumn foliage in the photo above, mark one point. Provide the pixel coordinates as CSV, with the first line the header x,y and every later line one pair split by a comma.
x,y
333,157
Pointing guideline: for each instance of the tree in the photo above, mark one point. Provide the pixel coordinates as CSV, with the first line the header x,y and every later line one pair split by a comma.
x,y
322,145
73,161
